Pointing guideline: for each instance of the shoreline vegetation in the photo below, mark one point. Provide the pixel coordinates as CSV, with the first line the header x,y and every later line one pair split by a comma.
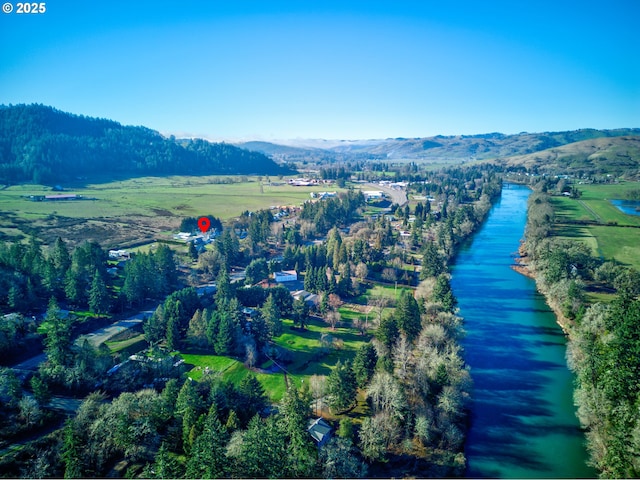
x,y
603,348
523,268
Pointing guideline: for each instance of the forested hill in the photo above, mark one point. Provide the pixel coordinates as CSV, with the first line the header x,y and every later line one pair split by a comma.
x,y
43,145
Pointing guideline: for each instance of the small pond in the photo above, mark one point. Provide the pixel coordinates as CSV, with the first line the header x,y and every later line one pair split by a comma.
x,y
630,207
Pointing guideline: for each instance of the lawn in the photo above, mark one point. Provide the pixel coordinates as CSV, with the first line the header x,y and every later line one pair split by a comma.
x,y
308,356
131,345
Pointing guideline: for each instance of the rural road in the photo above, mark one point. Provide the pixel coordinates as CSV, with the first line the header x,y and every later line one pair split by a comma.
x,y
101,335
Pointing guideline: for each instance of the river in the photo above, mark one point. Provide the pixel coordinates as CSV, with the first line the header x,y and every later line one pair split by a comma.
x,y
522,421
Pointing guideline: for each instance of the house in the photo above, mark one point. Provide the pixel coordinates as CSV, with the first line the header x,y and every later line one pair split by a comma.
x,y
320,431
250,313
310,299
285,276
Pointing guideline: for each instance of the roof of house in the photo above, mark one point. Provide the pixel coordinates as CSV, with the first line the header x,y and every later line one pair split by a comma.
x,y
319,430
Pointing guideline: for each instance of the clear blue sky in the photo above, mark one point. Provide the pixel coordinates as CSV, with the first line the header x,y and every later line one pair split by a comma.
x,y
330,69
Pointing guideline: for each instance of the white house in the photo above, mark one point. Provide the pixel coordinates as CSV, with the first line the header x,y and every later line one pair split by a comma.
x,y
285,276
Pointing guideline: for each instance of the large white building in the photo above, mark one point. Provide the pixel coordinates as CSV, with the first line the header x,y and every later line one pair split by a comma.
x,y
285,276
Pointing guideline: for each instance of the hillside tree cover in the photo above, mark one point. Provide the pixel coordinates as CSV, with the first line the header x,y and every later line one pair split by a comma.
x,y
38,144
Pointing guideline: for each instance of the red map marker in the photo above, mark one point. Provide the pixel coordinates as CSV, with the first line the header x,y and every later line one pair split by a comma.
x,y
203,224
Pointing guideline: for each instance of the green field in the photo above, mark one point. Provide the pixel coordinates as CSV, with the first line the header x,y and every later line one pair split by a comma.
x,y
610,233
138,209
309,356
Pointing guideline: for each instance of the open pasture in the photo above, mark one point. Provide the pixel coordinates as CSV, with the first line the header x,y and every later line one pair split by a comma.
x,y
610,233
139,209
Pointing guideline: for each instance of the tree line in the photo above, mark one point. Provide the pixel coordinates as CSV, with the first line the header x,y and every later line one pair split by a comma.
x,y
604,339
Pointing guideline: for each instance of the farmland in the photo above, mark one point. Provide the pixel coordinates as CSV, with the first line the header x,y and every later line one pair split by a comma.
x,y
594,220
137,210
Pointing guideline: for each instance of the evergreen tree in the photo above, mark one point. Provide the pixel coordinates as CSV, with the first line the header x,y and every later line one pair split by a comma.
x,y
341,387
364,364
407,315
166,267
300,312
442,293
302,453
226,334
252,399
344,286
173,334
155,327
71,451
432,262
58,337
208,459
60,260
98,295
387,332
74,287
40,390
271,315
166,465
225,289
256,271
213,326
310,280
192,251
262,450
197,331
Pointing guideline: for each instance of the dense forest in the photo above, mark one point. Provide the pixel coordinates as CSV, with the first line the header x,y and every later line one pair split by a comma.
x,y
43,145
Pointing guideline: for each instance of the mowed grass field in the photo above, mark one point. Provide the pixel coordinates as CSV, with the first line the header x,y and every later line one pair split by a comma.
x,y
138,209
313,351
611,234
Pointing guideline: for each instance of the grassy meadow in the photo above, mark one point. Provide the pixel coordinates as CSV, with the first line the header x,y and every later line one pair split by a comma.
x,y
139,209
313,351
609,232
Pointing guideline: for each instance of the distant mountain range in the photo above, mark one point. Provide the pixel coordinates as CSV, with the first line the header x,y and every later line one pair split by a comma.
x,y
43,145
435,149
583,151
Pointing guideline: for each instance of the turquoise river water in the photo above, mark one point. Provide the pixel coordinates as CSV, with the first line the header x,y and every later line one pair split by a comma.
x,y
522,422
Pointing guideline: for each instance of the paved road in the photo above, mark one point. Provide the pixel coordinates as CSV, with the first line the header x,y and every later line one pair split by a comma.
x,y
101,335
398,195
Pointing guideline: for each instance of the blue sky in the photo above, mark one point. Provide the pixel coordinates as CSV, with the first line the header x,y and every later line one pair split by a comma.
x,y
324,69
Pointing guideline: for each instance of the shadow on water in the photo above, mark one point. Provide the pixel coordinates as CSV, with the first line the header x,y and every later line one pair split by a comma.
x,y
522,421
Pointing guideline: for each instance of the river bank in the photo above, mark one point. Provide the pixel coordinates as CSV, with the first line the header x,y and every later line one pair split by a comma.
x,y
522,417
523,268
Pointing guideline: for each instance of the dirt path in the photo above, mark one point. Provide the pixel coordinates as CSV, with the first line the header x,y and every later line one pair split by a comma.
x,y
597,217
